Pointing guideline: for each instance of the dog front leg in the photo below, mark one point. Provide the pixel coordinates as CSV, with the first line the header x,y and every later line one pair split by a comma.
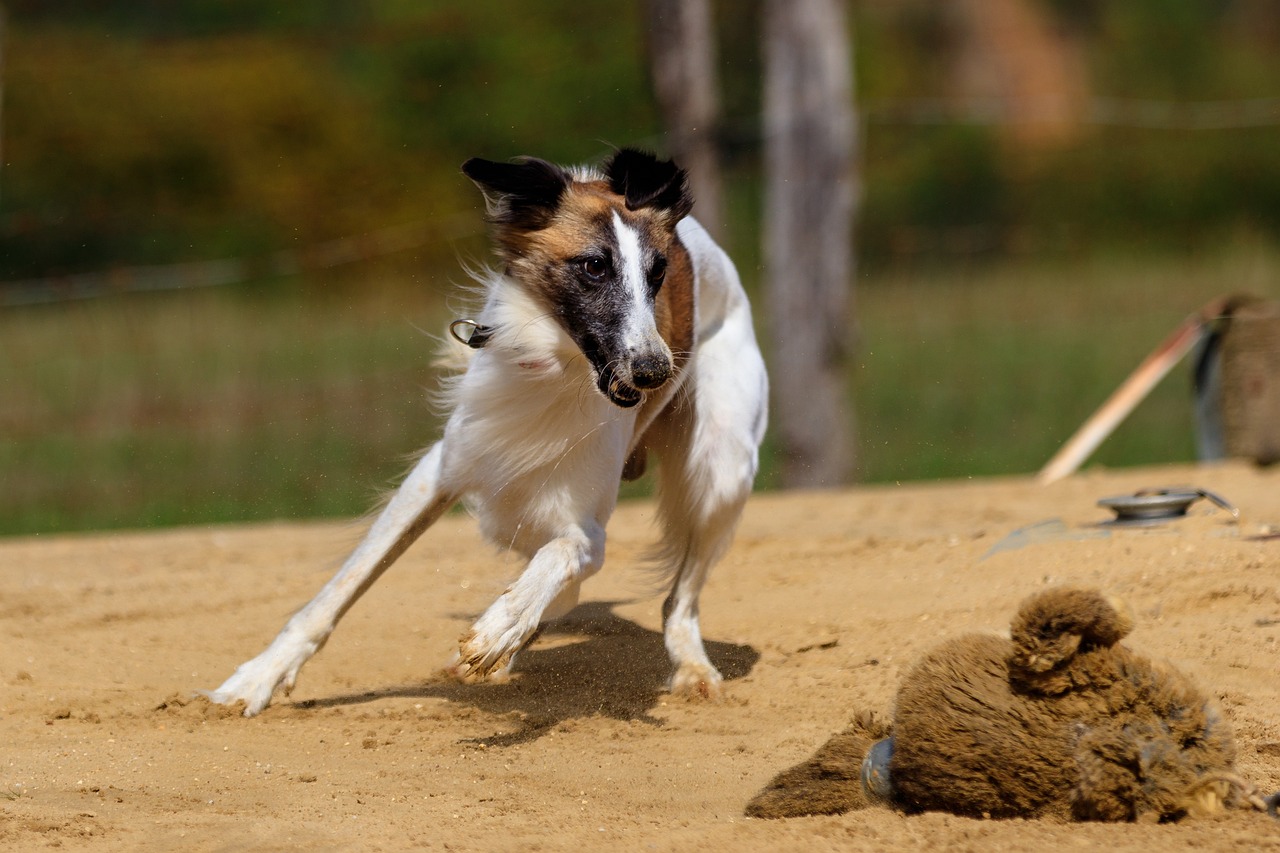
x,y
416,505
548,585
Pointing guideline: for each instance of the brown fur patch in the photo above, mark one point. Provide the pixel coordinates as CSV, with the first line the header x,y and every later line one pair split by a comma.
x,y
584,210
674,308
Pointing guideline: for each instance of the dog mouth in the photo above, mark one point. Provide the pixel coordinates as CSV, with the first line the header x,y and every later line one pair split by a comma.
x,y
625,383
621,394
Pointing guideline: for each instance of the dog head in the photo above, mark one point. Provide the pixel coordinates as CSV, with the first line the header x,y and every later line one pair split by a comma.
x,y
593,248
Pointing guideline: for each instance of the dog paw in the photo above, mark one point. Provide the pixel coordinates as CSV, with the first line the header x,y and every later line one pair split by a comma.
x,y
697,681
481,658
254,695
473,668
255,681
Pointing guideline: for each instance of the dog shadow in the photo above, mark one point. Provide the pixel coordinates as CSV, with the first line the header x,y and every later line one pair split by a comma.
x,y
590,662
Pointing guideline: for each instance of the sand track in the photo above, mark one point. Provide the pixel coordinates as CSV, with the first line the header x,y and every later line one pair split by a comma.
x,y
822,602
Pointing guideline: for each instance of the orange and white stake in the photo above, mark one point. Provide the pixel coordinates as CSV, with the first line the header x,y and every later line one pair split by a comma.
x,y
1131,392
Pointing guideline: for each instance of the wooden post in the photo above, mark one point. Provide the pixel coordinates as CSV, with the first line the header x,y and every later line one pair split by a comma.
x,y
4,31
811,188
1251,383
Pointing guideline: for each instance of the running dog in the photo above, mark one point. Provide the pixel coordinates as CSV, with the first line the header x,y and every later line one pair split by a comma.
x,y
615,327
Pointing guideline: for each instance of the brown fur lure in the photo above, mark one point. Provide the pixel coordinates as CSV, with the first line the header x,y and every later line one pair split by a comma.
x,y
1059,720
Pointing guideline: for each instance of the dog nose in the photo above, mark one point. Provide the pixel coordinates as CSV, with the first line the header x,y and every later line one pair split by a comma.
x,y
650,371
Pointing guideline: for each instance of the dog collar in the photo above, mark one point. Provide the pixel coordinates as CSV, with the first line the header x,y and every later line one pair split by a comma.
x,y
471,333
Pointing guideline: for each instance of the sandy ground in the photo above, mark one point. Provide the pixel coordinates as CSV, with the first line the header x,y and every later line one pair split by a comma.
x,y
822,602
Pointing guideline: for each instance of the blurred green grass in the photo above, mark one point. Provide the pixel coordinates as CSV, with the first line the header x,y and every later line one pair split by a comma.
x,y
297,402
987,370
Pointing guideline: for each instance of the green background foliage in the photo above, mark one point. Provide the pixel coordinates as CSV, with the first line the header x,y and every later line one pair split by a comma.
x,y
1002,292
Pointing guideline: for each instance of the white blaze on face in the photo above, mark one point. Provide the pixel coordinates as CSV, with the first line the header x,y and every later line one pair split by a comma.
x,y
640,330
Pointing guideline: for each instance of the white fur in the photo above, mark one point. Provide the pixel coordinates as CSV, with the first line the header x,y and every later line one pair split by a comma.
x,y
641,332
537,452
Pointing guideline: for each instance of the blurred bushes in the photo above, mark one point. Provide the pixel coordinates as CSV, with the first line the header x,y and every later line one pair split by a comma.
x,y
957,189
120,151
151,132
954,188
146,131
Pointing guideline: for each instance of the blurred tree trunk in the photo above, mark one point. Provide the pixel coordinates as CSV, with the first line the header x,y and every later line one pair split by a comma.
x,y
3,33
682,61
811,185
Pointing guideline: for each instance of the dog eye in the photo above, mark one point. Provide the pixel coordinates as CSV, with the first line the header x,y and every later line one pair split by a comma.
x,y
594,267
657,273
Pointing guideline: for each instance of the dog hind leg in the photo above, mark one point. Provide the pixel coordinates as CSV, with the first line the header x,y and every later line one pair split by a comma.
x,y
692,550
706,443
417,503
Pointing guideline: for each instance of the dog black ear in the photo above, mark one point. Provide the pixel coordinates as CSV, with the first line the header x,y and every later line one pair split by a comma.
x,y
645,181
521,194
